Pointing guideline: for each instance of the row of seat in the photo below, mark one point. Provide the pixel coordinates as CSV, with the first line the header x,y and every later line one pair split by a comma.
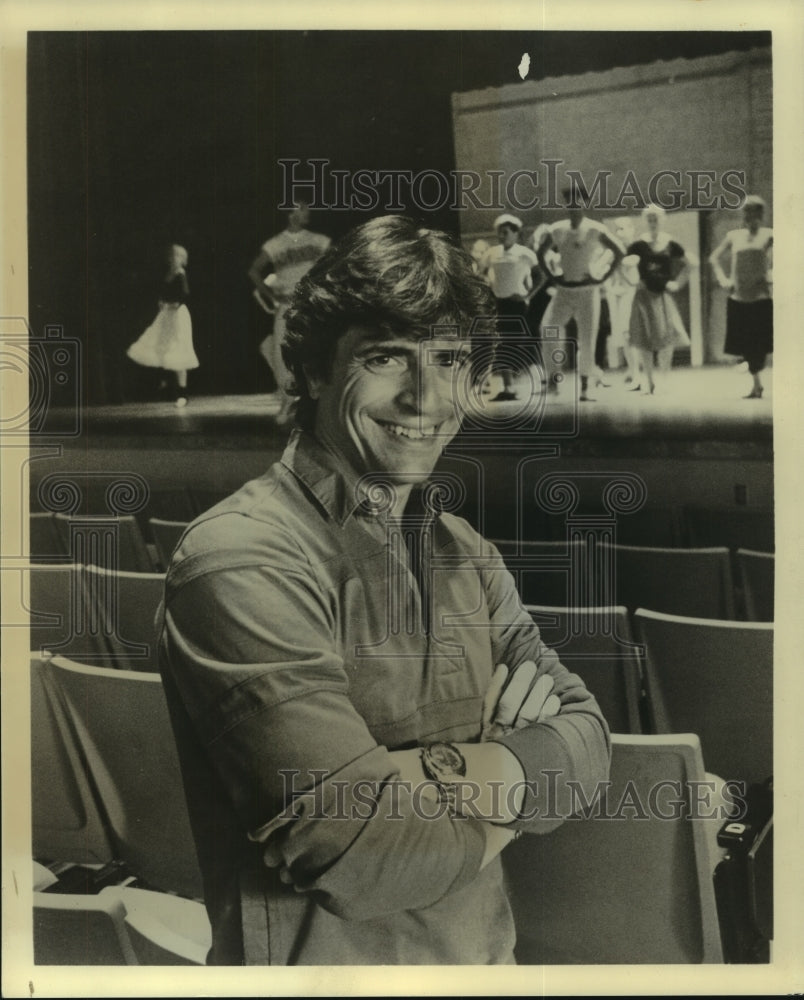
x,y
66,538
711,582
173,503
704,583
655,673
632,883
101,617
93,615
684,525
688,526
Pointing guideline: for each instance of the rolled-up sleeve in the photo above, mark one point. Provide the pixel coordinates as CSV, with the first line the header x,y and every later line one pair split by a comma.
x,y
565,758
252,656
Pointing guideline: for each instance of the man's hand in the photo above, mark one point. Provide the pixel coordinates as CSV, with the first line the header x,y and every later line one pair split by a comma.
x,y
513,703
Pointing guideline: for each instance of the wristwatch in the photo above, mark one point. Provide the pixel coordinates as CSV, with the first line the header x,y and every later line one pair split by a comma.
x,y
444,764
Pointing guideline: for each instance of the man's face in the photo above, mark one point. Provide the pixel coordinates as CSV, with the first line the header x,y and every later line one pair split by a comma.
x,y
507,235
653,221
390,403
752,217
299,217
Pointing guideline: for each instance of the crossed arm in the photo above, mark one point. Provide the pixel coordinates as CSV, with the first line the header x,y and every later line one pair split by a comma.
x,y
493,787
265,694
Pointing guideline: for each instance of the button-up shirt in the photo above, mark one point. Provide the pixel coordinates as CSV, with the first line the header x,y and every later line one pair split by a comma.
x,y
300,644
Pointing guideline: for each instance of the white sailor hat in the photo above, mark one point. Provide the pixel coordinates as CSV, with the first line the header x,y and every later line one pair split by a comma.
x,y
506,219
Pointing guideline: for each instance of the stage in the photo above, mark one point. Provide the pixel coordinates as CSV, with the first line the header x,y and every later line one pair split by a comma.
x,y
695,441
693,405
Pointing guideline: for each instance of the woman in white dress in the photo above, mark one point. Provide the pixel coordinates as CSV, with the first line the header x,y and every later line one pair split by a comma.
x,y
168,341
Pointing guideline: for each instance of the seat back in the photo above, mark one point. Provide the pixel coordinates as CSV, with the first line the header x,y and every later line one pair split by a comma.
x,y
59,622
45,542
597,644
734,527
756,573
630,884
121,719
653,526
554,574
675,581
123,610
66,817
80,930
131,549
166,535
713,678
171,504
203,499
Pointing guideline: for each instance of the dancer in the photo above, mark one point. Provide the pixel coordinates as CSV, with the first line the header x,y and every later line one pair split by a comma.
x,y
619,291
479,250
168,342
749,316
588,254
512,271
656,327
282,261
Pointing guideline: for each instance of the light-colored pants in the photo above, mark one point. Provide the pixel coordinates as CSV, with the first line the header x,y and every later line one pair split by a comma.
x,y
271,350
620,303
583,305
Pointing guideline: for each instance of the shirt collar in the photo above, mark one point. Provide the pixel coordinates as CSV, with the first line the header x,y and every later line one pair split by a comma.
x,y
336,486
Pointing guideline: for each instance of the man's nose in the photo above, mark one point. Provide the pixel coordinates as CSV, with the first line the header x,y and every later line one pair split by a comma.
x,y
427,389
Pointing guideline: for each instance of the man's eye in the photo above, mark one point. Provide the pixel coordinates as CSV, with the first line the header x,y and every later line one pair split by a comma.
x,y
383,361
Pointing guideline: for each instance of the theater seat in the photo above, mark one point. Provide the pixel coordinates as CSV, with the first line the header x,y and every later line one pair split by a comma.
x,y
634,888
713,678
597,644
67,821
733,527
756,574
119,925
676,581
59,622
45,542
552,573
80,930
130,551
166,535
122,725
123,609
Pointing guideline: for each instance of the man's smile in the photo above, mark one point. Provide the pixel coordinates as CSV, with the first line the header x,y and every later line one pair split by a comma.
x,y
406,431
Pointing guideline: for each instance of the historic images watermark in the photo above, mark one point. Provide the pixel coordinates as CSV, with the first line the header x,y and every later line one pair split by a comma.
x,y
321,796
320,186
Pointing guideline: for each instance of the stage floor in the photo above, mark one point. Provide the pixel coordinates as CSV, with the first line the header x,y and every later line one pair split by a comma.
x,y
690,404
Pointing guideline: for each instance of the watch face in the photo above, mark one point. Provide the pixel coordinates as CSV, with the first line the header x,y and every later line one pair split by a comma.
x,y
446,759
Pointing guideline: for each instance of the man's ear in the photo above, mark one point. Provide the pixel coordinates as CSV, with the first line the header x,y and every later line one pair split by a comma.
x,y
314,382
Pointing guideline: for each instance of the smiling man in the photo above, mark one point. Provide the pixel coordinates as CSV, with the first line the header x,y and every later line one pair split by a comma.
x,y
365,714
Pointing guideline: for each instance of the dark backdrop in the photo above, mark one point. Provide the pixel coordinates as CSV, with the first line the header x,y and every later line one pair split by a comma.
x,y
138,139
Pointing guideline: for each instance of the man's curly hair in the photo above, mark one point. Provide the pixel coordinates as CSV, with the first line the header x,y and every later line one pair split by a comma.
x,y
387,274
